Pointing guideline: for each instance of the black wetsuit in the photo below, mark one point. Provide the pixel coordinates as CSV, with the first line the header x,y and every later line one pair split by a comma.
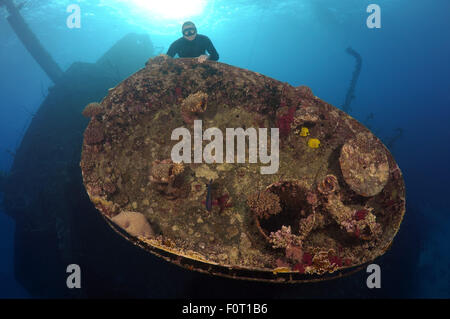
x,y
192,49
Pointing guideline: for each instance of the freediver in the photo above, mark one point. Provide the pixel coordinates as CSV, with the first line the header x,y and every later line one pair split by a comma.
x,y
193,45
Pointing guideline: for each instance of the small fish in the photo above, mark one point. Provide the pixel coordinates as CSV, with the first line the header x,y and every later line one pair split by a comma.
x,y
209,197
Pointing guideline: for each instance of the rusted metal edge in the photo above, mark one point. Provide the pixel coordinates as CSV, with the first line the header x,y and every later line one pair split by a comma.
x,y
288,277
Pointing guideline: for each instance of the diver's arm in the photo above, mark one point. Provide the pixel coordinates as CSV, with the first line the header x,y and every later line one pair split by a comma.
x,y
213,55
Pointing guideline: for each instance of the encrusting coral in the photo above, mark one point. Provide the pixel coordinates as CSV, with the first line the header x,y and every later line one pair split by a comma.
x,y
193,105
165,171
305,92
93,133
283,237
163,174
307,114
92,109
321,263
328,185
364,164
319,207
312,216
264,204
342,214
360,223
306,225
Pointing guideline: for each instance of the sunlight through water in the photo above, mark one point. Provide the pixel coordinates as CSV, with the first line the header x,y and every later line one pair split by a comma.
x,y
170,9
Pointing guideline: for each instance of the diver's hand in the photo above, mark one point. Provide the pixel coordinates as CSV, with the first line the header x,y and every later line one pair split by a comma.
x,y
202,58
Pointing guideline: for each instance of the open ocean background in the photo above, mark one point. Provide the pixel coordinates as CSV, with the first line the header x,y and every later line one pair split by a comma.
x,y
404,84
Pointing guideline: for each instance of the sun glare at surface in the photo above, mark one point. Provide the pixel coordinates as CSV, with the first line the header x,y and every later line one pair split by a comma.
x,y
171,9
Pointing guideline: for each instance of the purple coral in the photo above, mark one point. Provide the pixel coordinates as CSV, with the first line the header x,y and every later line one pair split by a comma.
x,y
283,238
284,122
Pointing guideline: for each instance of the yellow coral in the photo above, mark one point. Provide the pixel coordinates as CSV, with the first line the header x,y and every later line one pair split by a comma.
x,y
280,270
101,201
304,131
313,143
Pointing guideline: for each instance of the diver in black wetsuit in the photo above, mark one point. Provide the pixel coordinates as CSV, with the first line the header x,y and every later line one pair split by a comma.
x,y
193,45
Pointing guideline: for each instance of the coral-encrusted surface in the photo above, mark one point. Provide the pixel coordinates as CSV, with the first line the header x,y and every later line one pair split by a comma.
x,y
364,164
318,215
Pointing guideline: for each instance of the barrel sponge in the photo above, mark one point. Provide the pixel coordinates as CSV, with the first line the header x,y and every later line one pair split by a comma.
x,y
134,223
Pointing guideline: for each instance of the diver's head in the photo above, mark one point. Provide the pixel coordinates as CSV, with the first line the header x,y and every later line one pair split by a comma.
x,y
189,30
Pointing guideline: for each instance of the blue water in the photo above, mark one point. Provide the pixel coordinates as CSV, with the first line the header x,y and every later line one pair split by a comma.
x,y
404,82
